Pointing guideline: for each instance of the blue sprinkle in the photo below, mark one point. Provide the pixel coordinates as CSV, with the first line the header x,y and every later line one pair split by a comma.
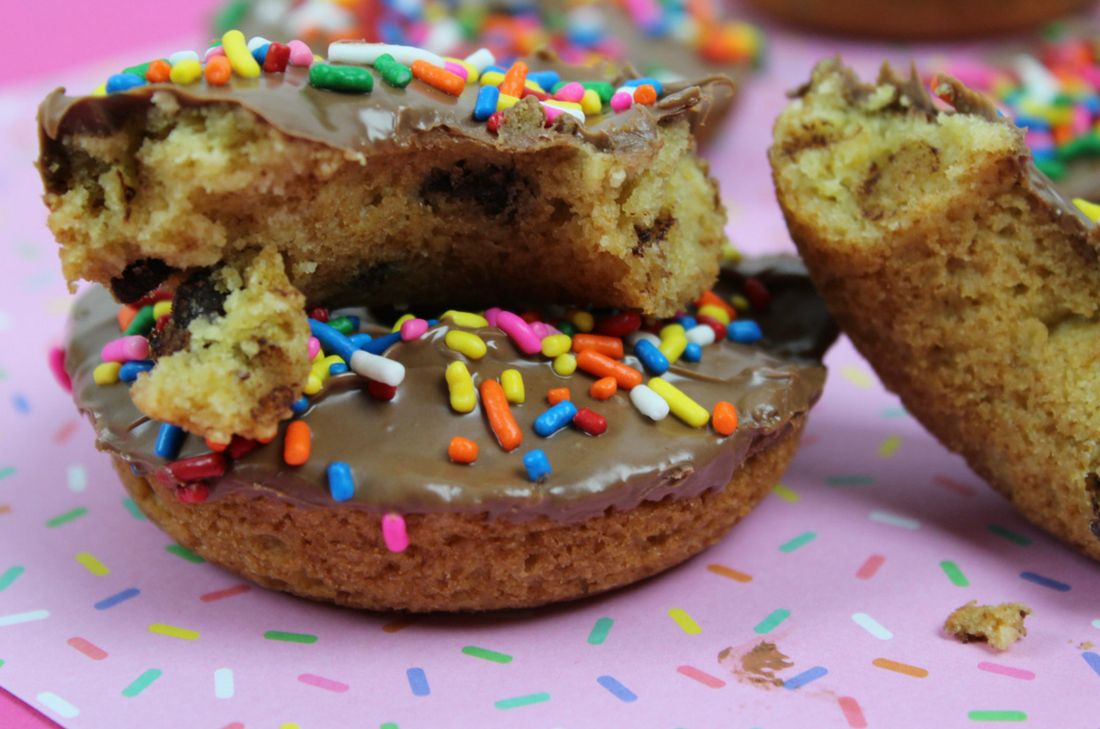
x,y
486,104
537,465
418,682
654,359
635,82
620,691
1045,581
545,79
130,370
1093,660
260,54
340,483
555,418
585,37
1033,123
804,678
380,345
743,331
433,322
337,368
358,340
692,352
300,405
124,82
498,69
687,322
1044,153
1092,104
113,600
133,470
169,440
332,340
20,403
390,32
355,322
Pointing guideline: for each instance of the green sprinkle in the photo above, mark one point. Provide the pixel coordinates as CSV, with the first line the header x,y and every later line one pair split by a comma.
x,y
895,413
133,509
142,322
800,540
141,683
231,16
346,79
1052,168
394,73
6,471
473,650
558,87
603,89
184,553
997,716
290,637
1087,145
67,517
855,480
771,622
567,329
9,576
138,70
522,701
1006,533
954,574
600,631
389,725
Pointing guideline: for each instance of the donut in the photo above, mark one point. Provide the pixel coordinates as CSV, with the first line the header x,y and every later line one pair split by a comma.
x,y
962,276
379,508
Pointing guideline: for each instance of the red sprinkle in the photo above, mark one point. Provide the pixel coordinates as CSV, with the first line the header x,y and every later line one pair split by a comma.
x,y
193,493
153,297
197,468
380,390
495,122
318,314
531,316
541,96
757,293
619,325
717,326
277,57
162,322
590,422
241,447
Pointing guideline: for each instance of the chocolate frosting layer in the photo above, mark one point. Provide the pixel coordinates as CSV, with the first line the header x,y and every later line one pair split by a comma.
x,y
385,118
397,450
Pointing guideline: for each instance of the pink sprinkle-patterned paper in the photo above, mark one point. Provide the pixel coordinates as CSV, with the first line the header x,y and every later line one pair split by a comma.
x,y
849,567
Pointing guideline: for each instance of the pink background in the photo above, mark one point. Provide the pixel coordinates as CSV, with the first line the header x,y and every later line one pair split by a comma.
x,y
868,481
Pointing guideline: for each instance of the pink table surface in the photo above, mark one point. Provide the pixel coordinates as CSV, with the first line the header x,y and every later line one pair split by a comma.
x,y
850,561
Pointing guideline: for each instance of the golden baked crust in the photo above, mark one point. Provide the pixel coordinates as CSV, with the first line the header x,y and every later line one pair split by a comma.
x,y
999,625
967,284
455,562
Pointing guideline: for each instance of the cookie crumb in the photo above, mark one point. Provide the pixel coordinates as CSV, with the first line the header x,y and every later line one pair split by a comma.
x,y
999,625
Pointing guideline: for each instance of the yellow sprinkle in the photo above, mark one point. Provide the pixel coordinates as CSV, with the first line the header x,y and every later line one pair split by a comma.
x,y
491,78
471,72
100,90
715,312
564,104
1092,210
556,345
506,102
187,71
528,83
402,320
680,404
685,622
106,373
173,632
313,385
672,347
590,102
739,302
730,254
465,343
857,377
512,382
240,58
786,494
465,319
289,725
889,446
461,386
319,370
565,364
92,564
582,320
670,330
161,308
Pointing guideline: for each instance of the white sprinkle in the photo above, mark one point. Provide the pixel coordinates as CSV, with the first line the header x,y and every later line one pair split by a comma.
x,y
256,42
444,35
575,113
701,335
58,705
872,626
374,367
23,617
894,520
633,338
1096,623
649,402
365,54
481,59
78,480
1040,82
182,56
223,683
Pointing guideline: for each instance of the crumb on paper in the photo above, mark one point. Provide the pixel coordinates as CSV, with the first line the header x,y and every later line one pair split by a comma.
x,y
758,666
999,625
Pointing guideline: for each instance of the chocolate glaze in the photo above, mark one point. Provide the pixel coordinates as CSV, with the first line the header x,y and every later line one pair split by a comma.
x,y
398,450
386,118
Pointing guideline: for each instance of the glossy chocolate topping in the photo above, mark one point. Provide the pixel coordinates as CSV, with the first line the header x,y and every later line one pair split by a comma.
x,y
387,117
398,450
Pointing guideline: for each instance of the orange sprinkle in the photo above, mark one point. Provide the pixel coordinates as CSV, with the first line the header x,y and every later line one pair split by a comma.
x,y
501,421
558,394
296,444
601,365
900,667
645,94
158,71
609,346
1063,134
727,572
218,70
216,447
266,440
126,315
439,78
604,388
514,80
725,418
712,299
462,450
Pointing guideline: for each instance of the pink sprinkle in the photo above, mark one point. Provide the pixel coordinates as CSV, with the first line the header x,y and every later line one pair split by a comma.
x,y
413,329
126,349
1037,140
213,51
314,347
1006,670
852,713
56,360
540,330
572,91
644,12
457,69
326,683
621,101
870,567
551,331
300,55
552,112
394,532
92,651
491,315
1080,122
520,332
1091,74
704,678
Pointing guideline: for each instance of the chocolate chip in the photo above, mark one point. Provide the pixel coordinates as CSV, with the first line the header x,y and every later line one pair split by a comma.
x,y
494,189
197,297
652,235
139,278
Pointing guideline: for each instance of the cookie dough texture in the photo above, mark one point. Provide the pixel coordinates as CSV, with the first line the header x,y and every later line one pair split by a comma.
x,y
964,279
455,562
999,625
